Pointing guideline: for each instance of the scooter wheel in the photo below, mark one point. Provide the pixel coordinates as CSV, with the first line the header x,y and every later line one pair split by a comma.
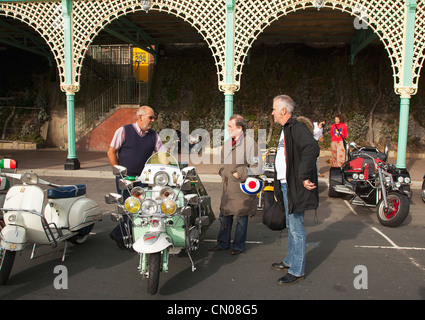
x,y
154,270
6,262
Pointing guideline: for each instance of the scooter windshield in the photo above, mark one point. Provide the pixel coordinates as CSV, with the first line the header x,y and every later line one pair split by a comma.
x,y
163,159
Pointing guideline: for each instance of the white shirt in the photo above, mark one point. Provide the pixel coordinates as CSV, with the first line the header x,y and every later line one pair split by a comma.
x,y
317,132
280,161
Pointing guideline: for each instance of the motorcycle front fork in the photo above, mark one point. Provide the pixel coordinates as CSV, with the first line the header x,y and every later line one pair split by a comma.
x,y
143,262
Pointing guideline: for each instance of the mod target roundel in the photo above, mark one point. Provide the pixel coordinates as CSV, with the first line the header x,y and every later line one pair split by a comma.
x,y
251,186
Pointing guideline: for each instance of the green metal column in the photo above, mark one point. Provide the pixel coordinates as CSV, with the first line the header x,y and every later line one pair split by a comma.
x,y
71,162
406,83
229,63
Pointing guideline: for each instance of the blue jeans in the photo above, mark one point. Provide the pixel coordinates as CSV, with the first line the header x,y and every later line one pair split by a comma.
x,y
225,233
295,256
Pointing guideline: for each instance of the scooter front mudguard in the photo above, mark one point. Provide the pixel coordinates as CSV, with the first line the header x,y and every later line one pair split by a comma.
x,y
13,237
152,242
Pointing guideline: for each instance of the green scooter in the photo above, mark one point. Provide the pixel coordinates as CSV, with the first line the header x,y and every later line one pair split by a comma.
x,y
171,213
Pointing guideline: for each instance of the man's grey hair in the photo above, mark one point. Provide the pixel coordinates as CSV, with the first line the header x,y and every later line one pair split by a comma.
x,y
141,111
284,101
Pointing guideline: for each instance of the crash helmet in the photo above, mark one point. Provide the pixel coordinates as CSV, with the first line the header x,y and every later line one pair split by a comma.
x,y
251,186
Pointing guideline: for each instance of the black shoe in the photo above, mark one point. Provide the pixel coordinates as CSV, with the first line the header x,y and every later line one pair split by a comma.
x,y
235,252
289,279
280,266
119,243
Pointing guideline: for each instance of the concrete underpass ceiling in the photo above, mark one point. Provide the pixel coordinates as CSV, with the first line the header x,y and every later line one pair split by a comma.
x,y
318,28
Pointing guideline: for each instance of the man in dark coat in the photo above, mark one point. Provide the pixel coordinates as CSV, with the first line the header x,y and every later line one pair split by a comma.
x,y
295,182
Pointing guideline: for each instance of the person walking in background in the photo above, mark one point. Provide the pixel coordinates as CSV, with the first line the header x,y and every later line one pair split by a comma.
x,y
318,135
295,183
338,134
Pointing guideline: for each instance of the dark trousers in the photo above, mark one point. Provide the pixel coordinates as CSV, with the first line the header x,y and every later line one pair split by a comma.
x,y
225,233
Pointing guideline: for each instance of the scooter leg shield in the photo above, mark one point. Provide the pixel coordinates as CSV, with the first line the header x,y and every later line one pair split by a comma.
x,y
152,242
13,237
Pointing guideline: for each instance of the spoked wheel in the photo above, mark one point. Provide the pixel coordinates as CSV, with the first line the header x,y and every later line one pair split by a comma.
x,y
154,270
6,262
397,211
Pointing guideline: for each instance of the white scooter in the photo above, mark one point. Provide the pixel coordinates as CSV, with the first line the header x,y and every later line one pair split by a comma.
x,y
67,216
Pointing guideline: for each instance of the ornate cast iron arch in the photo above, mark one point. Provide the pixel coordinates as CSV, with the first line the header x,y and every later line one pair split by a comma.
x,y
386,18
90,16
46,19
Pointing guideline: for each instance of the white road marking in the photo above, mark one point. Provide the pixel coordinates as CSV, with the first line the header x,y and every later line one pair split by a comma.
x,y
396,247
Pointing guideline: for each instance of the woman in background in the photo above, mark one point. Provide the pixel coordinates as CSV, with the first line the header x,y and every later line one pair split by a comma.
x,y
338,132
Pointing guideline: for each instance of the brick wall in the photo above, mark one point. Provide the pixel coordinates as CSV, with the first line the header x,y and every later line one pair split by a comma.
x,y
100,137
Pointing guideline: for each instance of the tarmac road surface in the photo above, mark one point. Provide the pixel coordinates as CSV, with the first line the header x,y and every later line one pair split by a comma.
x,y
349,256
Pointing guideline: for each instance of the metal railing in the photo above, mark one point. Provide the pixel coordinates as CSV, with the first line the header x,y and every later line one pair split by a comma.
x,y
121,92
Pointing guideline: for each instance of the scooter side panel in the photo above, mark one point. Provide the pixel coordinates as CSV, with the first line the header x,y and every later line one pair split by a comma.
x,y
13,237
83,213
27,197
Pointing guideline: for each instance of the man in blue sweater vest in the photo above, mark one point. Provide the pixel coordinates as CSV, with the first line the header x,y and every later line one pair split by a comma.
x,y
131,147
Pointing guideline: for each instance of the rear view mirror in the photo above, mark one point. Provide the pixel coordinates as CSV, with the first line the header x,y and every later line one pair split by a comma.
x,y
113,198
124,184
189,172
191,199
186,185
119,170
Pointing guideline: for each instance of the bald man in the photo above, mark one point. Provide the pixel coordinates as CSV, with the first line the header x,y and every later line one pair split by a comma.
x,y
131,147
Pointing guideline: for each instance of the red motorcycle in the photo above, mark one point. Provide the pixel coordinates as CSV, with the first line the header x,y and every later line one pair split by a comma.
x,y
370,181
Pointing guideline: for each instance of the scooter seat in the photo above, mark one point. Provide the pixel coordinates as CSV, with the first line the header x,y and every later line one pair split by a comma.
x,y
66,191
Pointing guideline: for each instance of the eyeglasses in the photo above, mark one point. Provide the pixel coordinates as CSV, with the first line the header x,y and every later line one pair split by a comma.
x,y
150,117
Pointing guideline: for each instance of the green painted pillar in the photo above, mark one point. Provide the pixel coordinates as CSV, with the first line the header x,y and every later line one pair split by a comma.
x,y
229,64
406,90
71,162
402,133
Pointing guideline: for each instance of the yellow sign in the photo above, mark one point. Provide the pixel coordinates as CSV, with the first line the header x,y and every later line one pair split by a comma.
x,y
140,65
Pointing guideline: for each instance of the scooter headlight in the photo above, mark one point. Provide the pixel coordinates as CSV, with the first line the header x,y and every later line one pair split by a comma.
x,y
132,204
167,193
138,193
149,207
168,206
400,179
161,178
407,180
